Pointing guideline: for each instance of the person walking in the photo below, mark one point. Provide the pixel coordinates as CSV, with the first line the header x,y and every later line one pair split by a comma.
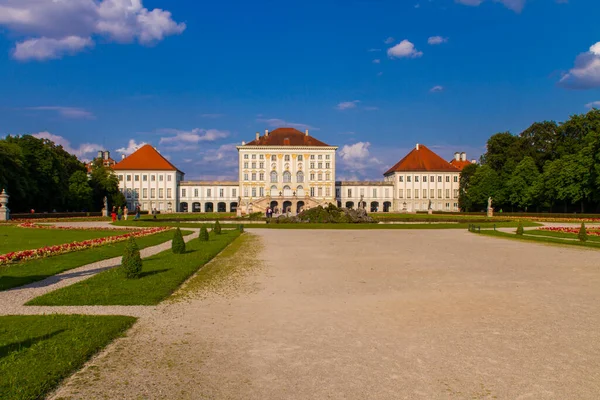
x,y
119,213
125,212
113,214
137,212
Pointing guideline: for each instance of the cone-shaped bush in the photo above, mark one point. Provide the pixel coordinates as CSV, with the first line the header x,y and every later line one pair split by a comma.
x,y
520,228
131,263
217,228
203,234
178,245
582,235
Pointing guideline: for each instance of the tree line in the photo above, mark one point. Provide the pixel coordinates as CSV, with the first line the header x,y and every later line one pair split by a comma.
x,y
40,175
549,166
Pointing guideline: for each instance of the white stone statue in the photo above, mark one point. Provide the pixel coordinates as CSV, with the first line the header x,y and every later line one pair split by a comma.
x,y
4,211
489,202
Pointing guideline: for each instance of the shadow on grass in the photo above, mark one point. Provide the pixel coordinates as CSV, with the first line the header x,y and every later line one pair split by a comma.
x,y
36,281
25,344
150,273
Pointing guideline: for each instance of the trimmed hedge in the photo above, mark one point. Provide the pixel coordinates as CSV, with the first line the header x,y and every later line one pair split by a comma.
x,y
131,264
178,244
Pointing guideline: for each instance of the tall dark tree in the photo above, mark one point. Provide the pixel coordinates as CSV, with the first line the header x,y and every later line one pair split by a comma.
x,y
80,192
464,201
105,183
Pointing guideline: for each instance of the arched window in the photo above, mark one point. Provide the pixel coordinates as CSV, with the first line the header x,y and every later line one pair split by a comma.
x,y
300,176
273,176
273,190
287,176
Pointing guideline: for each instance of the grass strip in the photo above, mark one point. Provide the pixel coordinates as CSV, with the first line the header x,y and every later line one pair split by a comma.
x,y
273,225
561,235
14,238
23,273
539,239
161,275
38,351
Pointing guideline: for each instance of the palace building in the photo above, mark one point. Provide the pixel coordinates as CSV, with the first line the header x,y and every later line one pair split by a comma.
x,y
289,170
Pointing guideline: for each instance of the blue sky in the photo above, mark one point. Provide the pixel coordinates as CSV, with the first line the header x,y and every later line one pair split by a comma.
x,y
373,77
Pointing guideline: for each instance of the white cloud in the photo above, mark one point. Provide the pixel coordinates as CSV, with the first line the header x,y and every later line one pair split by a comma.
x,y
389,40
355,159
515,5
53,29
212,115
132,146
376,61
80,152
436,89
404,49
586,72
44,48
345,105
278,123
67,112
593,104
373,50
433,40
184,139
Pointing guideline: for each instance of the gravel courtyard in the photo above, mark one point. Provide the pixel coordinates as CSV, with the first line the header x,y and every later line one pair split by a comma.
x,y
370,314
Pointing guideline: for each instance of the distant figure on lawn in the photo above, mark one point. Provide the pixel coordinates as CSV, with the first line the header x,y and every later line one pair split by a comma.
x,y
125,212
119,213
137,212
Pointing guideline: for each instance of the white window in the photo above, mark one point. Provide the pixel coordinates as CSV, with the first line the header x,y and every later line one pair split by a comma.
x,y
455,178
400,178
261,192
349,192
320,176
233,192
273,157
327,191
439,193
152,193
245,156
254,176
312,165
195,192
448,178
161,193
169,192
408,193
312,192
416,193
254,156
128,193
145,193
208,192
327,157
128,178
261,165
416,178
312,156
153,178
447,193
253,192
432,193
326,165
273,177
245,191
327,176
145,178
246,165
262,157
320,157
287,157
161,178
300,176
300,157
455,193
261,176
245,177
401,193
168,178
408,178
287,177
374,192
253,165
424,179
121,178
320,165
136,178
424,193
439,178
312,177
221,193
320,191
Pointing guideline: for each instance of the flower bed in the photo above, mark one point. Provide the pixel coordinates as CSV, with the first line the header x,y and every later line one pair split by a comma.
x,y
574,231
550,219
48,251
73,228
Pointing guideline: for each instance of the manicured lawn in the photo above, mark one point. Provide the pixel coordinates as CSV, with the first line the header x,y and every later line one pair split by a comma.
x,y
540,239
13,238
14,275
161,275
560,235
38,351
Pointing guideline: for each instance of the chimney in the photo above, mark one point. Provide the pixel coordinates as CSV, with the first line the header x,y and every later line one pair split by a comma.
x,y
457,156
122,156
417,146
266,132
100,152
257,135
463,156
243,143
106,155
306,132
473,161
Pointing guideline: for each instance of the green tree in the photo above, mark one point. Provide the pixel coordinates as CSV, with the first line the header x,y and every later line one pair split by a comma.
x,y
217,228
203,237
178,244
521,188
485,183
520,230
80,192
464,201
105,183
14,176
539,142
131,264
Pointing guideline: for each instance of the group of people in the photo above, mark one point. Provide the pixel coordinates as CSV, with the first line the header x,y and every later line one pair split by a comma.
x,y
122,213
269,212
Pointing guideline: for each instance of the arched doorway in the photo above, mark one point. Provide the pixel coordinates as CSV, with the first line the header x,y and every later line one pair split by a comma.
x,y
299,207
274,205
374,206
221,207
208,207
386,206
287,206
183,206
196,207
349,204
287,191
233,207
300,191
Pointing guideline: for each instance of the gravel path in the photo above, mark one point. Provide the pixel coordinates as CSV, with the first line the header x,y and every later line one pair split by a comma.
x,y
12,300
371,314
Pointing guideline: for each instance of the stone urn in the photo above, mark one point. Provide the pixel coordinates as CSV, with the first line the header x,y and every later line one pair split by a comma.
x,y
4,211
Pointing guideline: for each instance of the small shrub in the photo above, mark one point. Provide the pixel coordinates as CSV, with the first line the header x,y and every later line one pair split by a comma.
x,y
131,263
255,216
217,228
582,235
520,229
178,245
203,234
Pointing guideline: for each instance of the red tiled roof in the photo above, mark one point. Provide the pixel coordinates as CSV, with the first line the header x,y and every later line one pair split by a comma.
x,y
422,159
286,137
145,158
460,164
